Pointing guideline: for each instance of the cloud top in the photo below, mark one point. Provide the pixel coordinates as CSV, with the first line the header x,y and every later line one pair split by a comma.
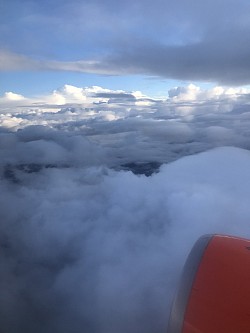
x,y
110,189
80,240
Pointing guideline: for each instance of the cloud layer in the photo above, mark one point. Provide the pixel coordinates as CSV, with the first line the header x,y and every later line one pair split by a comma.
x,y
97,250
89,245
130,125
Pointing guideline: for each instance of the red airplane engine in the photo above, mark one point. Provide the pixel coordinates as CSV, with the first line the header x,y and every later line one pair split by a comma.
x,y
214,292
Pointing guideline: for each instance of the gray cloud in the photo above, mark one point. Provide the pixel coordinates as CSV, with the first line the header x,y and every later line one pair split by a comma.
x,y
188,41
224,60
12,61
214,62
98,250
132,126
117,96
87,244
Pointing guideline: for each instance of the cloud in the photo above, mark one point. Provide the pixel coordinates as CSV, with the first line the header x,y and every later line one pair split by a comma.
x,y
196,62
11,61
162,39
82,238
199,61
69,95
10,96
133,126
108,201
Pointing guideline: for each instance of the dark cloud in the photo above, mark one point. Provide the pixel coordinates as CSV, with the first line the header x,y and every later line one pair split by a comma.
x,y
189,40
224,59
117,96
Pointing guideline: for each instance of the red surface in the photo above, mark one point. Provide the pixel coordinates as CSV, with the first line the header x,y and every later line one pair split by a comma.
x,y
220,297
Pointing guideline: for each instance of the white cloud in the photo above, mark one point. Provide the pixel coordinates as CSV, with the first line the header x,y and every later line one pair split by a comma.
x,y
10,122
81,238
192,99
83,235
195,93
188,93
12,99
87,98
190,120
10,96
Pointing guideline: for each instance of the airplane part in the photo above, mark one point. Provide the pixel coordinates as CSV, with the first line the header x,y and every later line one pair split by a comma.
x,y
214,291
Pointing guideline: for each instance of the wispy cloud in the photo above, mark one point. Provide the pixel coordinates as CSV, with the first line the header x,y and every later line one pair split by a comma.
x,y
10,61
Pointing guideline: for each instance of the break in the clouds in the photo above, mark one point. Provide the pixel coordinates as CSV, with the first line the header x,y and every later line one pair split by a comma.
x,y
188,40
104,192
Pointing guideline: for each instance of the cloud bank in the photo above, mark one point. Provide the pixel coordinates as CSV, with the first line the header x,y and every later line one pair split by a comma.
x,y
101,202
130,126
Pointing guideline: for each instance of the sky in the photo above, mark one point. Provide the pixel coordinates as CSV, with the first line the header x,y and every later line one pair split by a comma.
x,y
124,137
132,45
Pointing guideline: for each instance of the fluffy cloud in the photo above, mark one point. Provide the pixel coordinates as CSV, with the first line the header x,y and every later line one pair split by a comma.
x,y
188,121
107,204
9,96
188,41
81,239
12,99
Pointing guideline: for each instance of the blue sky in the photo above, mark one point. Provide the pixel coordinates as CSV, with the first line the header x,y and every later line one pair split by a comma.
x,y
33,83
123,45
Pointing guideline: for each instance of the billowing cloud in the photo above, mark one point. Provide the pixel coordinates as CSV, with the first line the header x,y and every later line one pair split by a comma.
x,y
87,248
10,96
102,203
105,191
154,129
